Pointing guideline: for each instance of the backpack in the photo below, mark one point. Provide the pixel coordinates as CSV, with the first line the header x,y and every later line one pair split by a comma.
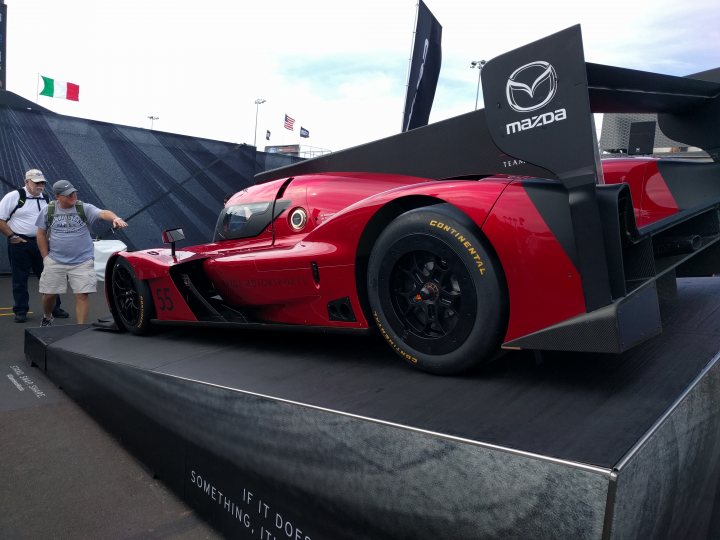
x,y
51,213
23,198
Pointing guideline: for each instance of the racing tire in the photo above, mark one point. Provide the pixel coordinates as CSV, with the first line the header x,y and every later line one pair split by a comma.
x,y
132,301
437,291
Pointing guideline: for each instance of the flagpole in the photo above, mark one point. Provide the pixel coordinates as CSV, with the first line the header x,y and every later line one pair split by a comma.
x,y
258,102
37,88
407,78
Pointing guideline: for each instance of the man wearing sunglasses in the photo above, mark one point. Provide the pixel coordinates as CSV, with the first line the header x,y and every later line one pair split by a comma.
x,y
18,214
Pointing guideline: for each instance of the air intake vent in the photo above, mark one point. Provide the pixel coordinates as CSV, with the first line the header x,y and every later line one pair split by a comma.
x,y
341,310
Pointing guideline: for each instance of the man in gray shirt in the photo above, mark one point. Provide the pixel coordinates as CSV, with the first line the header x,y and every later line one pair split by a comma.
x,y
65,243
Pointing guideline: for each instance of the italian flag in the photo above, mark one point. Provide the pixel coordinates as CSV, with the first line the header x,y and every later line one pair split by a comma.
x,y
59,89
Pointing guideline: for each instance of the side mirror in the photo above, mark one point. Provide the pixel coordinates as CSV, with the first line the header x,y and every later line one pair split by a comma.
x,y
170,236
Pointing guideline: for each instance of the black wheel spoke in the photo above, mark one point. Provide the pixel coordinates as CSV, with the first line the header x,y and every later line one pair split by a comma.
x,y
414,273
434,324
449,298
410,308
440,272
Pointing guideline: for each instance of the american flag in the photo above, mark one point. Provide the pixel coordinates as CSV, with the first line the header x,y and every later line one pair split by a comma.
x,y
289,122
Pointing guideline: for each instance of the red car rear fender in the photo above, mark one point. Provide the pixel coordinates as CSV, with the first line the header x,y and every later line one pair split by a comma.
x,y
543,284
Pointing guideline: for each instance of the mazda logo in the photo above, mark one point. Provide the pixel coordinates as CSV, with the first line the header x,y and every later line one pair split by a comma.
x,y
531,87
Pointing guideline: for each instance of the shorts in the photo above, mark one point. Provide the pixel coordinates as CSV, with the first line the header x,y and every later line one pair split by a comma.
x,y
55,277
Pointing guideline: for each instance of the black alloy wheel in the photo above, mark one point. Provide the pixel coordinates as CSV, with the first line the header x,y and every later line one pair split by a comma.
x,y
437,292
426,293
131,298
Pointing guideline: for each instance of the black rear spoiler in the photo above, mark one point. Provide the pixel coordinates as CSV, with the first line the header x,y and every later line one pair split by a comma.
x,y
553,140
620,90
688,109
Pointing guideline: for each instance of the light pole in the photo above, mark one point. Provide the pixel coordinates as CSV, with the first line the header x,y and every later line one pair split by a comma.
x,y
479,64
152,120
258,102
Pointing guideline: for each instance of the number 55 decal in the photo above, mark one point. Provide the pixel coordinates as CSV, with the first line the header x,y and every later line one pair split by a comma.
x,y
164,301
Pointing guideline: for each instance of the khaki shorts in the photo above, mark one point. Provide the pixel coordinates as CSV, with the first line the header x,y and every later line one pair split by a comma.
x,y
55,277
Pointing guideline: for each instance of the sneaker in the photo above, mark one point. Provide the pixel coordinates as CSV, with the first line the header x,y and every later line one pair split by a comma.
x,y
46,322
60,313
21,317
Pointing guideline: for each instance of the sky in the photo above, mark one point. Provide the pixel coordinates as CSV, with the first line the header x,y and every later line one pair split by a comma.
x,y
339,68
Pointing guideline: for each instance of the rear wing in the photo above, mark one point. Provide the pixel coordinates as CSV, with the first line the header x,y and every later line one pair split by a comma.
x,y
537,121
688,109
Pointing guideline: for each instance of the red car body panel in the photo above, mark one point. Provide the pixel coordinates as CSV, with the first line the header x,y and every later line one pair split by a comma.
x,y
169,303
652,199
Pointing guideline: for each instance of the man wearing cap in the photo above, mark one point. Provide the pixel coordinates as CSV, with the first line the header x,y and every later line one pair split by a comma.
x,y
19,210
67,249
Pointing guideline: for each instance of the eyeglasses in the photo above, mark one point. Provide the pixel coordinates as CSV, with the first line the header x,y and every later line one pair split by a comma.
x,y
38,183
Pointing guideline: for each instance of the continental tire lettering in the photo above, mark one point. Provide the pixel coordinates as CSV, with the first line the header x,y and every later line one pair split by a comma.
x,y
477,259
392,343
141,318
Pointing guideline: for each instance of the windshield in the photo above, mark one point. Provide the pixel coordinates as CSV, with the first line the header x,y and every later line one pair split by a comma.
x,y
242,221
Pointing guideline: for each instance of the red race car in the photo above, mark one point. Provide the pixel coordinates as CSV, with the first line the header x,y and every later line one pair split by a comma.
x,y
495,229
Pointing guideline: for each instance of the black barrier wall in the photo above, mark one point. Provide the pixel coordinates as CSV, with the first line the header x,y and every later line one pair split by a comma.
x,y
154,180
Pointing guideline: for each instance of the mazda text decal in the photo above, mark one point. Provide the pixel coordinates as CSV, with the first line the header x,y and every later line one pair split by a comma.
x,y
529,88
535,121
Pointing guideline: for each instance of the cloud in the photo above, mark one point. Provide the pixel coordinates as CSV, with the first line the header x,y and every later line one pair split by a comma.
x,y
339,68
336,77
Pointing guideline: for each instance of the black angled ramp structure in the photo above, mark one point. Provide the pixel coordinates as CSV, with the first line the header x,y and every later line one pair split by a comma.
x,y
149,177
312,436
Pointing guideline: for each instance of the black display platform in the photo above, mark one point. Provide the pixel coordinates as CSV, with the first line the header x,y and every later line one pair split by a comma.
x,y
299,435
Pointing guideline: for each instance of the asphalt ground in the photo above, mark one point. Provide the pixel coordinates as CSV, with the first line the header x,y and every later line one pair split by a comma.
x,y
61,474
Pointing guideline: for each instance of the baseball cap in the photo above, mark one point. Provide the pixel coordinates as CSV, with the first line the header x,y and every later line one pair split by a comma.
x,y
35,175
63,187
